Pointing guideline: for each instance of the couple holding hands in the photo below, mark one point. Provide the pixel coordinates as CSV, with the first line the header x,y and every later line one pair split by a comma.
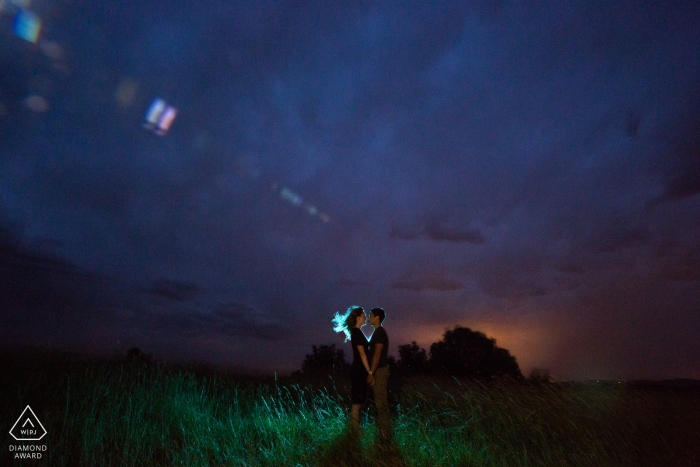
x,y
369,364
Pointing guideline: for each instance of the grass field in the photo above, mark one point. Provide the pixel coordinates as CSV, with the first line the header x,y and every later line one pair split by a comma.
x,y
121,414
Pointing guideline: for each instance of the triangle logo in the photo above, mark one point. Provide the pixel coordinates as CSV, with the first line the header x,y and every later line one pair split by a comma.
x,y
28,427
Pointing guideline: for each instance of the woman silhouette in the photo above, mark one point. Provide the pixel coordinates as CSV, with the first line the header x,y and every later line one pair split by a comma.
x,y
350,324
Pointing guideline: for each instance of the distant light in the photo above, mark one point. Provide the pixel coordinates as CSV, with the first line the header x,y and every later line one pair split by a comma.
x,y
51,49
290,196
153,113
27,25
159,117
126,92
311,209
165,120
36,103
296,200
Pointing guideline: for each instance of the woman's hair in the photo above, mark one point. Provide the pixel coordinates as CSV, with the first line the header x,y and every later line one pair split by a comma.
x,y
345,322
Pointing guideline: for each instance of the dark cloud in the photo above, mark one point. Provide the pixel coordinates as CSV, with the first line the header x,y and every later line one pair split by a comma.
x,y
680,159
240,319
107,189
354,283
442,285
35,280
506,285
678,263
16,257
569,266
685,183
687,270
614,233
438,231
174,290
234,319
47,301
632,124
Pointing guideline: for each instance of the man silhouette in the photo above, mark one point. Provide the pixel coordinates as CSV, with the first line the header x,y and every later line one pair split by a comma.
x,y
378,376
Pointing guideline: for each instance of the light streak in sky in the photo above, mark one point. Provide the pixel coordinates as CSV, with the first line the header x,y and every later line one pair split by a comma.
x,y
290,196
293,198
246,168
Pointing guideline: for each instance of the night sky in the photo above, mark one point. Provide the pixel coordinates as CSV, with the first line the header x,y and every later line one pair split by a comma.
x,y
530,170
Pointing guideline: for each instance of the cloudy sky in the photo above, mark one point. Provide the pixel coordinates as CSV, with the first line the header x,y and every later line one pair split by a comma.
x,y
526,169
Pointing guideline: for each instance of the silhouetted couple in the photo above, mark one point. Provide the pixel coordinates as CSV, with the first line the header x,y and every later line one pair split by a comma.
x,y
369,365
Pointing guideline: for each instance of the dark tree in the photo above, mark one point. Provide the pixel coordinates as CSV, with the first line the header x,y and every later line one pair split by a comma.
x,y
412,359
466,353
323,360
540,375
134,355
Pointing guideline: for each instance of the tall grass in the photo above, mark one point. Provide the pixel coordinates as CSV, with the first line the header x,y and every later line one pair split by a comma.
x,y
133,415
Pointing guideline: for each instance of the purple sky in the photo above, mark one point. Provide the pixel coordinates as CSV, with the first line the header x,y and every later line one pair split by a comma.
x,y
529,170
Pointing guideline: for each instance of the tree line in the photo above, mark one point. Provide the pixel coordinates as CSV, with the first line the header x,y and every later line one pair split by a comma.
x,y
461,353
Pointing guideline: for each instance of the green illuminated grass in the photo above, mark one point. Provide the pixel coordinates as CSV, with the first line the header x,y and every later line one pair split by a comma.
x,y
111,414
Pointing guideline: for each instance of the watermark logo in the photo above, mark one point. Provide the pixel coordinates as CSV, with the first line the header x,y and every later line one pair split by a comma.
x,y
28,427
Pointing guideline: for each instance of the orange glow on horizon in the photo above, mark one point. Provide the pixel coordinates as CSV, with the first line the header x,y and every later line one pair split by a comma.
x,y
529,342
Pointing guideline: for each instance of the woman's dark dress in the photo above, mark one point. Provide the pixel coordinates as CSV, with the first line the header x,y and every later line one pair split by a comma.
x,y
358,373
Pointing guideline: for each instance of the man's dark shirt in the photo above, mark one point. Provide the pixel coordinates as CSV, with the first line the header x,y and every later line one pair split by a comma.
x,y
379,337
